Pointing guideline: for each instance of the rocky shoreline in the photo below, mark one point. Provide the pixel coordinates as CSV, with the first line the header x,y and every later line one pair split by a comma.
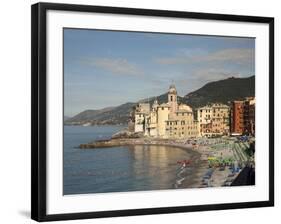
x,y
131,141
125,141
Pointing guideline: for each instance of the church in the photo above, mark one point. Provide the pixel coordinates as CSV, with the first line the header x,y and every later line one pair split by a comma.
x,y
166,120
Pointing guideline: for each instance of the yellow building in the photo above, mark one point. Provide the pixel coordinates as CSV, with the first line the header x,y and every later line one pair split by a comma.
x,y
213,119
182,125
167,120
163,112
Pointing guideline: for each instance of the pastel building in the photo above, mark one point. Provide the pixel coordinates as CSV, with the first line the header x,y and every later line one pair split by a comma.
x,y
249,115
213,119
166,120
142,110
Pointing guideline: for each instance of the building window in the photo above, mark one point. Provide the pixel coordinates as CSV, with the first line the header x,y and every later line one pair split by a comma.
x,y
171,98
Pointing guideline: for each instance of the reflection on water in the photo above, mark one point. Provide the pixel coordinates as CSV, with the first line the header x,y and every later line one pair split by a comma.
x,y
119,169
157,165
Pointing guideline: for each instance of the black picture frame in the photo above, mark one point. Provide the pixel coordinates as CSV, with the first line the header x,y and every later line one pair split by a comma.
x,y
38,108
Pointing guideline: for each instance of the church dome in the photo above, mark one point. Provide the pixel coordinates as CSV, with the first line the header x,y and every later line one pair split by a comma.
x,y
185,107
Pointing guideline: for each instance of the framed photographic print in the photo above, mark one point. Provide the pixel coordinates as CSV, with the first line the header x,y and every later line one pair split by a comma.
x,y
139,111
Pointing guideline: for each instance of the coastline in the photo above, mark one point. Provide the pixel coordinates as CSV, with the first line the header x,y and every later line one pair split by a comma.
x,y
200,164
203,174
201,149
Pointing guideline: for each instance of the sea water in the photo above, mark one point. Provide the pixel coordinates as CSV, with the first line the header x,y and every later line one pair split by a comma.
x,y
119,169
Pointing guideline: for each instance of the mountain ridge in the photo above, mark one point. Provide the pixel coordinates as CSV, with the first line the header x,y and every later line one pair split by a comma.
x,y
221,91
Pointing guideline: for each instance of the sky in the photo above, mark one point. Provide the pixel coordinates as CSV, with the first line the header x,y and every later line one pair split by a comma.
x,y
109,68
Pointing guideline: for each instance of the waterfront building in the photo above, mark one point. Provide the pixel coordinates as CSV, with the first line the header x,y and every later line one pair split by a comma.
x,y
249,116
163,112
152,121
237,118
243,116
141,111
213,120
177,120
182,125
180,122
220,119
203,114
166,120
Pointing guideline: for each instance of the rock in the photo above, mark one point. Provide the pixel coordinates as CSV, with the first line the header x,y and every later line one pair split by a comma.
x,y
137,135
127,134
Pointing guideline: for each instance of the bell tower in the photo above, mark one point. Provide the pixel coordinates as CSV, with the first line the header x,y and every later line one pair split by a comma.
x,y
172,98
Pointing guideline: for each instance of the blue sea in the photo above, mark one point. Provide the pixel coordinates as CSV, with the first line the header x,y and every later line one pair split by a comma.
x,y
119,169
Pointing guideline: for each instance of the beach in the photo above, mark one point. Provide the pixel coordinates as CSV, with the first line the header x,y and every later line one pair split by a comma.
x,y
205,174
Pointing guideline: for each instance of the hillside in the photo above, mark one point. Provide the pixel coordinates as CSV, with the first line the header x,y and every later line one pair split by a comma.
x,y
110,115
221,91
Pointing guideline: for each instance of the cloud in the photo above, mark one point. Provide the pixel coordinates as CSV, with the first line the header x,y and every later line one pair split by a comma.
x,y
192,52
199,77
213,74
234,55
118,66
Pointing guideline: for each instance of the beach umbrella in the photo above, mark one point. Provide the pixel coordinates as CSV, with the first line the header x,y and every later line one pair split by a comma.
x,y
212,158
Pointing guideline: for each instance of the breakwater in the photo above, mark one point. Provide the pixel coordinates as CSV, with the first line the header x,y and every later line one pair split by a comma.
x,y
134,141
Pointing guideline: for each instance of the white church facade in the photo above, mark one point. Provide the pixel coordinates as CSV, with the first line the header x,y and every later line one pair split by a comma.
x,y
166,120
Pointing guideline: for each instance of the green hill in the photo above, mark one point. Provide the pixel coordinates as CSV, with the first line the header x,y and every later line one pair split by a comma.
x,y
222,91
